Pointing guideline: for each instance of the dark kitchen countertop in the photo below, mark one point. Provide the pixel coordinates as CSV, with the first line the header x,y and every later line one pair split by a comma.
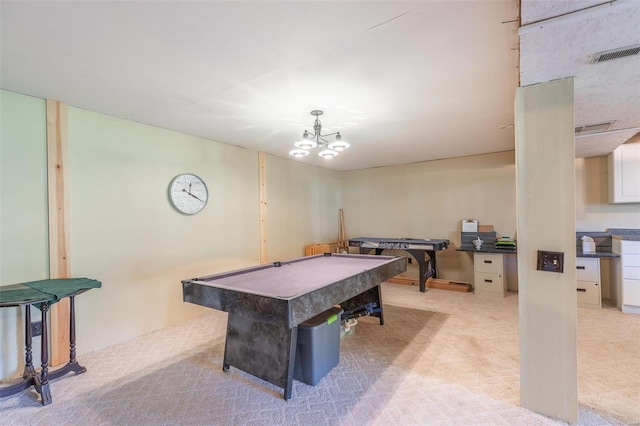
x,y
578,253
625,234
627,237
488,250
603,248
596,254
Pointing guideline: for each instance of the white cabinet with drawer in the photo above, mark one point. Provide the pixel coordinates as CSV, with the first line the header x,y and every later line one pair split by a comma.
x,y
588,286
626,274
488,275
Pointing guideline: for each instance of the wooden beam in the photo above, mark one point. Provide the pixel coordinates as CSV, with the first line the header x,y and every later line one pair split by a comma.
x,y
433,283
343,245
57,138
262,176
400,279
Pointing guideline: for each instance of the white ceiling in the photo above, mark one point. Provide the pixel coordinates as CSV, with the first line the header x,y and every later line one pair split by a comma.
x,y
402,81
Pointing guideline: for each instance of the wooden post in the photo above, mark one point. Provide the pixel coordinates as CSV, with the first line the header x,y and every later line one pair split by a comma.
x,y
262,176
342,242
57,139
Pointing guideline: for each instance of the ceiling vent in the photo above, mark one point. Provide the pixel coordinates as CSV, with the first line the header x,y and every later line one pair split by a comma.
x,y
593,128
615,54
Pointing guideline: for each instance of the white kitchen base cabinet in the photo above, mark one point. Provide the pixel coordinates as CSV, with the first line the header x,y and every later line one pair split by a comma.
x,y
488,275
588,286
626,275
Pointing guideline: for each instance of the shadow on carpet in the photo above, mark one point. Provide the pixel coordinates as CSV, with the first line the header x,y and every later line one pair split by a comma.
x,y
374,360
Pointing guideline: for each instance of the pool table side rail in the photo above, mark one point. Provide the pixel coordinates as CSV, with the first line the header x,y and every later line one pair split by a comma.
x,y
254,306
235,280
289,312
307,305
399,243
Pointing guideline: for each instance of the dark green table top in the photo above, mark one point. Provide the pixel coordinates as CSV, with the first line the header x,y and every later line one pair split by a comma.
x,y
50,290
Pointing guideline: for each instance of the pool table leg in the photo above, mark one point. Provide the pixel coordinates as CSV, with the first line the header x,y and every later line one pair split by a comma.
x,y
367,250
426,268
293,347
263,350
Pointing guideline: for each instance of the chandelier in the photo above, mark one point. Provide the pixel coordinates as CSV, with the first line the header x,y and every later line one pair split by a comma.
x,y
317,140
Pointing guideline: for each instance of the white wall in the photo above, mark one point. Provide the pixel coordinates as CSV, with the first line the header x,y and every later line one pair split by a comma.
x,y
593,211
24,246
303,204
123,230
429,200
125,233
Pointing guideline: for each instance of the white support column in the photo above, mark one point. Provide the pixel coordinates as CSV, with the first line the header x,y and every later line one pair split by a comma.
x,y
545,197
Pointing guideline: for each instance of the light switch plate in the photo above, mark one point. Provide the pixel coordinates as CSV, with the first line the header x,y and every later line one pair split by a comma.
x,y
551,261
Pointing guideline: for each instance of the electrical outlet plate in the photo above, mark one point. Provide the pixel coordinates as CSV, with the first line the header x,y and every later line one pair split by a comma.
x,y
551,261
36,328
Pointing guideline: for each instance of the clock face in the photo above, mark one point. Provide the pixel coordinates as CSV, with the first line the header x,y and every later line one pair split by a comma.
x,y
188,193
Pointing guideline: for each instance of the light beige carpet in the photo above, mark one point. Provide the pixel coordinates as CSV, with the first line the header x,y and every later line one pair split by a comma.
x,y
441,358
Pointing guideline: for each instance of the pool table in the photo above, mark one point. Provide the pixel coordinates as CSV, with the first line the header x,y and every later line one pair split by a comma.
x,y
266,303
416,247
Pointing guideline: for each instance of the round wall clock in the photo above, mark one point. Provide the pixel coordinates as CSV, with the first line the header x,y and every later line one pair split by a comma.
x,y
188,193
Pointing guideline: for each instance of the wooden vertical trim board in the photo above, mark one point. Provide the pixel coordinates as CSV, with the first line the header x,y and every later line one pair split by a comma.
x,y
262,176
57,160
343,245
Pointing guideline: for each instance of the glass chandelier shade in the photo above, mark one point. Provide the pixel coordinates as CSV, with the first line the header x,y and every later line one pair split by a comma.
x,y
306,142
338,144
328,153
299,153
329,149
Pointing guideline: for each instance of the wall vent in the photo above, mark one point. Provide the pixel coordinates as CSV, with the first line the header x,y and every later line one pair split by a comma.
x,y
593,128
621,52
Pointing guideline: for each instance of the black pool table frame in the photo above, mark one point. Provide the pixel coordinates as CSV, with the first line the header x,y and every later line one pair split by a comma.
x,y
262,325
416,247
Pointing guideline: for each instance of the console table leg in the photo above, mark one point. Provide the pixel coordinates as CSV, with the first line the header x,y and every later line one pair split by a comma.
x,y
73,363
72,330
29,369
42,381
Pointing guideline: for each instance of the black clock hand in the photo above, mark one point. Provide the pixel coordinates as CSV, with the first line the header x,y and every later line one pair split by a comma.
x,y
189,188
194,196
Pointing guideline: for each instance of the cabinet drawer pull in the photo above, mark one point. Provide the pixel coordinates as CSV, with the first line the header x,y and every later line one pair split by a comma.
x,y
488,261
581,267
488,281
582,290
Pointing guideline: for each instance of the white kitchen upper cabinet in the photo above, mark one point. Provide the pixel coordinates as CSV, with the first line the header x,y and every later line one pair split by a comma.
x,y
623,170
